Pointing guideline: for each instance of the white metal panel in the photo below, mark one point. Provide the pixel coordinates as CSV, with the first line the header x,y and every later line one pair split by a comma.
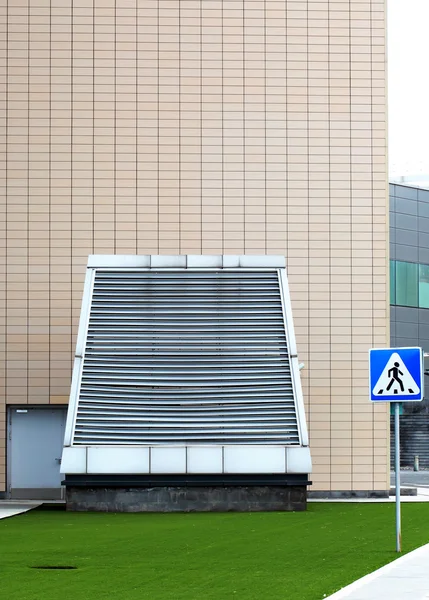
x,y
85,311
73,400
80,347
299,402
165,261
231,261
205,459
168,460
205,261
287,313
293,358
298,460
262,261
193,460
254,459
99,261
160,261
118,460
73,461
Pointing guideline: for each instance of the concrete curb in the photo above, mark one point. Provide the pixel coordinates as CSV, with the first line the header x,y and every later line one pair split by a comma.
x,y
422,496
359,583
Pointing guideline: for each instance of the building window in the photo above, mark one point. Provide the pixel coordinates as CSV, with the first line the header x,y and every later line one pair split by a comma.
x,y
407,284
424,286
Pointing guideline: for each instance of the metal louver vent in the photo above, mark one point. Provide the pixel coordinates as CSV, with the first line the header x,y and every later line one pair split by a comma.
x,y
185,357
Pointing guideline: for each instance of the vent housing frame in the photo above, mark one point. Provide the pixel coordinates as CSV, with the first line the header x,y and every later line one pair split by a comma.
x,y
83,452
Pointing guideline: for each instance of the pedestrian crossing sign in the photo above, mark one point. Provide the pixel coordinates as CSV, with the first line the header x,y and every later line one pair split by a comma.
x,y
396,374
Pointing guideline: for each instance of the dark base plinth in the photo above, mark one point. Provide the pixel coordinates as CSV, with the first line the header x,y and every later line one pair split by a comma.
x,y
187,499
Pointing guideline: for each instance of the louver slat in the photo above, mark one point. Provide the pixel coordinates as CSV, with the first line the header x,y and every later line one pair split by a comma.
x,y
186,357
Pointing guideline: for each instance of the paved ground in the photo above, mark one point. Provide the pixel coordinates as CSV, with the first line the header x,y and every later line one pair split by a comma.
x,y
10,509
422,496
406,578
415,479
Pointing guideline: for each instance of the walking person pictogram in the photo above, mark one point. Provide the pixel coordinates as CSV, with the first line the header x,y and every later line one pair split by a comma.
x,y
394,373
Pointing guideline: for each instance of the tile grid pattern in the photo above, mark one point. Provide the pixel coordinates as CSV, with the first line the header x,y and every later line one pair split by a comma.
x,y
203,126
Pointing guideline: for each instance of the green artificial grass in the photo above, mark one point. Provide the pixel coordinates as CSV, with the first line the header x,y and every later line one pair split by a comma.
x,y
206,556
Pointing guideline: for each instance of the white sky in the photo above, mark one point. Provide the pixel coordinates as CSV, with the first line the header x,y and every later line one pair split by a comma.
x,y
408,86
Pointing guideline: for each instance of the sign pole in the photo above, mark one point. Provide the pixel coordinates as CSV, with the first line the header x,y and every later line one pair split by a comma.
x,y
397,479
396,375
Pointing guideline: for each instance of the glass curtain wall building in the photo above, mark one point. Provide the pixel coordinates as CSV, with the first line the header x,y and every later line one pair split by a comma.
x,y
409,299
409,266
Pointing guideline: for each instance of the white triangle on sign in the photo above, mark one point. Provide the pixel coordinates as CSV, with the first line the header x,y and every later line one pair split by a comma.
x,y
395,380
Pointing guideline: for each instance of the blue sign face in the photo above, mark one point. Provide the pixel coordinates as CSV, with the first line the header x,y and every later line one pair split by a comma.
x,y
396,374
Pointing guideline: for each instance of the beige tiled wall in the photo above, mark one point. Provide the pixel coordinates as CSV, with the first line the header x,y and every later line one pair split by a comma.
x,y
167,126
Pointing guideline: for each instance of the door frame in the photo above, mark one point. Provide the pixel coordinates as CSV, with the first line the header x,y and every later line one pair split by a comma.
x,y
9,409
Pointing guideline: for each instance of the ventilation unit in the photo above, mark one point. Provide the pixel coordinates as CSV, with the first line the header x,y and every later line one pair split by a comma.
x,y
186,365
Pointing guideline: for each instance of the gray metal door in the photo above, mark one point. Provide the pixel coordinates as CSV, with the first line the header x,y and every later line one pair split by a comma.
x,y
36,438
